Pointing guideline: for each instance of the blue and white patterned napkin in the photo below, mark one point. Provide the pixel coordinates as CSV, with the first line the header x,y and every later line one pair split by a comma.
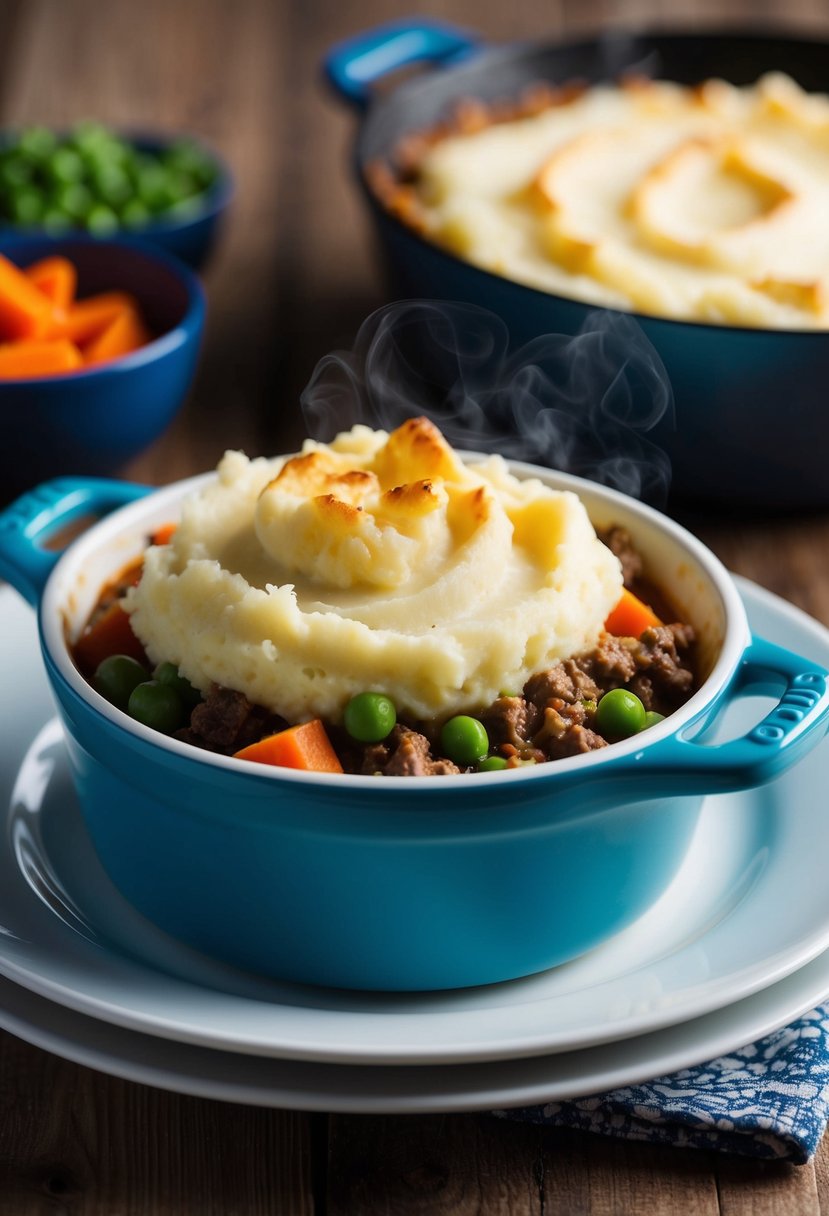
x,y
770,1099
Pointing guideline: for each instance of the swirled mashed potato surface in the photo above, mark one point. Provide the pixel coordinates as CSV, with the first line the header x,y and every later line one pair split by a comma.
x,y
379,562
708,203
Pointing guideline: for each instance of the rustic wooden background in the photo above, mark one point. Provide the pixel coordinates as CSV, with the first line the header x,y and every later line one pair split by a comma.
x,y
294,278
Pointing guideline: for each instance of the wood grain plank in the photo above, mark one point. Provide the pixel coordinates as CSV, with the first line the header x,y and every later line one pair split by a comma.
x,y
766,1188
242,106
15,26
821,1172
466,1165
327,272
73,1140
787,556
596,1176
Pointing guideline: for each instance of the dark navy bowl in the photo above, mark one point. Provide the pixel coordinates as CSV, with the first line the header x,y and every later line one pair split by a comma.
x,y
192,236
750,427
93,421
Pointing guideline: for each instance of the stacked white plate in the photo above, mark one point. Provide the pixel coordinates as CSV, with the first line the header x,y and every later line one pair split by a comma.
x,y
738,946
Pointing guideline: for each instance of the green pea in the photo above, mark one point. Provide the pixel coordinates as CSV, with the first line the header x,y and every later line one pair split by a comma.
x,y
112,186
89,136
37,143
620,714
369,717
15,169
652,718
15,172
66,166
464,740
116,676
492,764
26,206
75,200
134,213
157,706
101,220
168,674
152,187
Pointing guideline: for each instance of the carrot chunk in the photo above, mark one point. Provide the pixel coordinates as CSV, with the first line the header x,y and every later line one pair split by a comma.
x,y
38,357
163,535
630,617
56,278
86,319
110,634
124,334
305,746
25,312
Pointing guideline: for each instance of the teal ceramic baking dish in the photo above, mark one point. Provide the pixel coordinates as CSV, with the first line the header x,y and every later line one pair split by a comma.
x,y
399,883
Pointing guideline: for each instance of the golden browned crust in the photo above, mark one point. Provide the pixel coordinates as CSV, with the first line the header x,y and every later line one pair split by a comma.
x,y
391,179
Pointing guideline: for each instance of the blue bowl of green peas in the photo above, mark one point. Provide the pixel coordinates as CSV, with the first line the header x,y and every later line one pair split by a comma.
x,y
169,191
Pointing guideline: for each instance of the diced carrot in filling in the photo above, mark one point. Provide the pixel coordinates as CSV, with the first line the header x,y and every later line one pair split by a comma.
x,y
110,633
164,534
306,746
631,617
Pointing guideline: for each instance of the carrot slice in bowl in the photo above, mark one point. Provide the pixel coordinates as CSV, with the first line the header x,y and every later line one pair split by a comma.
x,y
56,278
33,357
25,312
124,334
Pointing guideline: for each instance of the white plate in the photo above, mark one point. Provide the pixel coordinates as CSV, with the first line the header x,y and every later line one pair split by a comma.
x,y
390,1089
727,927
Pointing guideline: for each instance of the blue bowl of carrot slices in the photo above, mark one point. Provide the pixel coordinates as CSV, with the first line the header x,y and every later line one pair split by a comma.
x,y
99,341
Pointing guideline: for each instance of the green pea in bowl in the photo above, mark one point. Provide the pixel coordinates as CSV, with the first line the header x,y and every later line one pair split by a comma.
x,y
169,190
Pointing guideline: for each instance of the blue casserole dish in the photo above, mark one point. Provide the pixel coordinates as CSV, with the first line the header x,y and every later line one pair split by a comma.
x,y
750,427
387,882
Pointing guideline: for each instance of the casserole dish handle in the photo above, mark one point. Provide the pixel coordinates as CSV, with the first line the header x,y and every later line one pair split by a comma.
x,y
40,512
796,723
353,65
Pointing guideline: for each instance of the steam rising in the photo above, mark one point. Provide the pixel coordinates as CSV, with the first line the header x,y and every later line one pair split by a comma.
x,y
582,404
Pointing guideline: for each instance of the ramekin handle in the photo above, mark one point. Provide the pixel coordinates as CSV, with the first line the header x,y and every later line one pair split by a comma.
x,y
353,65
42,511
796,723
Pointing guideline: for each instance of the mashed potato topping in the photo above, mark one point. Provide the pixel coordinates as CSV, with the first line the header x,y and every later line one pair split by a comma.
x,y
707,203
378,562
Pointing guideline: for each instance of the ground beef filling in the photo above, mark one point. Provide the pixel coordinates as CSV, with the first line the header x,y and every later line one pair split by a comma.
x,y
226,721
551,718
619,541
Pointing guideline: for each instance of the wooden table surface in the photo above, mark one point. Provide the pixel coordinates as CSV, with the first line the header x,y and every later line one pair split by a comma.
x,y
294,277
